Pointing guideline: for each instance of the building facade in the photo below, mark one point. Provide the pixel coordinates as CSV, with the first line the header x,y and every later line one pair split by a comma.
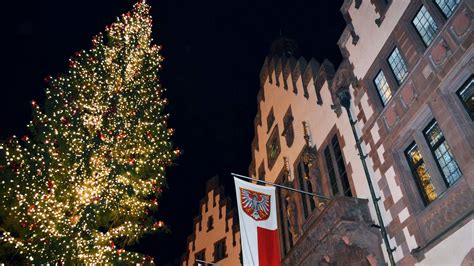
x,y
413,62
304,140
408,68
216,236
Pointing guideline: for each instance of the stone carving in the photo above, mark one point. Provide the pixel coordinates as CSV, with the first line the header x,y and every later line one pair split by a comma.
x,y
292,216
439,53
456,205
341,235
461,24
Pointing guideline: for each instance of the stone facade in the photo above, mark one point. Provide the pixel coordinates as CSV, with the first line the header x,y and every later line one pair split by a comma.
x,y
304,140
216,235
439,232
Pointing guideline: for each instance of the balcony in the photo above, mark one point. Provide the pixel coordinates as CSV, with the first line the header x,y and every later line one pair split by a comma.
x,y
340,234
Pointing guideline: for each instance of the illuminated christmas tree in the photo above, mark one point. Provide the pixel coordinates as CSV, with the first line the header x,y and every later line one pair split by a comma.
x,y
83,185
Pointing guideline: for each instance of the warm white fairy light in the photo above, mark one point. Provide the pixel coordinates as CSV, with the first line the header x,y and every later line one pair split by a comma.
x,y
82,185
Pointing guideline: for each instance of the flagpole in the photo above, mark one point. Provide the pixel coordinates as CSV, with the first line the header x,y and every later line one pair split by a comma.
x,y
205,262
281,186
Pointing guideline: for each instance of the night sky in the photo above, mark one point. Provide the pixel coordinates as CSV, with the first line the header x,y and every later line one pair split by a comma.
x,y
213,53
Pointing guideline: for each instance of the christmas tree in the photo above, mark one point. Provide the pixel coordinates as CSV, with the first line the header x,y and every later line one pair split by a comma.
x,y
83,185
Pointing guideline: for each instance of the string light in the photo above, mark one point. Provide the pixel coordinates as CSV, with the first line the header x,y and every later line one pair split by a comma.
x,y
79,188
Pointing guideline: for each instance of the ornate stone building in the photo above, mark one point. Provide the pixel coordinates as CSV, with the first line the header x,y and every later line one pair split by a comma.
x,y
412,64
408,68
304,140
216,236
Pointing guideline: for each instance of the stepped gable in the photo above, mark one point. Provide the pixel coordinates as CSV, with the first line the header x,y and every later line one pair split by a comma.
x,y
310,72
271,69
225,201
291,66
292,69
326,73
286,71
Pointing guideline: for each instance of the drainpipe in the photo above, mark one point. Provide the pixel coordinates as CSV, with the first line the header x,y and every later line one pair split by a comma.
x,y
345,100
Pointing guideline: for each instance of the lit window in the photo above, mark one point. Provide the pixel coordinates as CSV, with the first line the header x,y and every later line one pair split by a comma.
x,y
422,178
425,25
447,6
398,66
383,88
442,153
466,94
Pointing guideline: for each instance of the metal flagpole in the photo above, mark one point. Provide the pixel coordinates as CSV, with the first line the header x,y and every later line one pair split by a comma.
x,y
281,186
205,262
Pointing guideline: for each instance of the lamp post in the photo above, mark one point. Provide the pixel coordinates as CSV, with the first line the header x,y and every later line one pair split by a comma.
x,y
345,101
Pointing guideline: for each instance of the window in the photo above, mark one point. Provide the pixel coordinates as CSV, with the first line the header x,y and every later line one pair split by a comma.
x,y
442,153
210,223
331,173
466,94
288,131
447,6
425,25
398,66
385,92
200,257
219,250
418,169
270,120
341,166
336,169
273,147
302,175
285,231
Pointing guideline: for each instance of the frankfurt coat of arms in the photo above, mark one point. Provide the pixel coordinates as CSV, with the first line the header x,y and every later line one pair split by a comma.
x,y
255,204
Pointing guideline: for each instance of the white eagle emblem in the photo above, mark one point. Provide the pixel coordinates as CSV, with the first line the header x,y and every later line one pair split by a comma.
x,y
255,204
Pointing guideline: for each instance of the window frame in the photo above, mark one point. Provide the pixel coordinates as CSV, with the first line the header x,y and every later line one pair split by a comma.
x,y
435,147
464,86
283,221
210,223
337,171
399,82
415,175
270,119
384,103
418,31
198,254
273,136
452,11
220,243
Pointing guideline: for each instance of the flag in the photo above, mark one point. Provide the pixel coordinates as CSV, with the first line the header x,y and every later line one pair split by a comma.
x,y
258,224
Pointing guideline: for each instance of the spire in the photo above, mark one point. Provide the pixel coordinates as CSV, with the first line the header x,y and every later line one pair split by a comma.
x,y
284,46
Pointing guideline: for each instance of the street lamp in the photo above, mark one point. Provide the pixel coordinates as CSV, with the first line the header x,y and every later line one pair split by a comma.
x,y
345,101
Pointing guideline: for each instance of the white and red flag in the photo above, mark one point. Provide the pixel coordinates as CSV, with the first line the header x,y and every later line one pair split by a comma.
x,y
258,224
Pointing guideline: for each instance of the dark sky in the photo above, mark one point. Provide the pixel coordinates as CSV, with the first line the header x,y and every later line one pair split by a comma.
x,y
213,53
